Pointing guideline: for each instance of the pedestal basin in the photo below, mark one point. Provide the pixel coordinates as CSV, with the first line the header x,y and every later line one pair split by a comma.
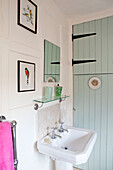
x,y
74,146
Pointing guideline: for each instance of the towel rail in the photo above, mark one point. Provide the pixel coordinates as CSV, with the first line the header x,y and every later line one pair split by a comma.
x,y
13,129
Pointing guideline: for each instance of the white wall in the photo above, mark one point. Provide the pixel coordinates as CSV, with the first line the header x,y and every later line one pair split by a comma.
x,y
19,43
95,16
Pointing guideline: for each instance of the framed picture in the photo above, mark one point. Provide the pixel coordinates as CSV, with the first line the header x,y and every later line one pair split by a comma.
x,y
27,15
26,76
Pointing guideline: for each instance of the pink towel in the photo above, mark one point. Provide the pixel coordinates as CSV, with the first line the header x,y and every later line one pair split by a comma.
x,y
6,147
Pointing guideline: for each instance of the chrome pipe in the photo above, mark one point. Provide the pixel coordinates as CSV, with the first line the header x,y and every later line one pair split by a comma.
x,y
13,128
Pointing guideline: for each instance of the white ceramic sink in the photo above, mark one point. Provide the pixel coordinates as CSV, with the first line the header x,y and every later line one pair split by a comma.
x,y
74,147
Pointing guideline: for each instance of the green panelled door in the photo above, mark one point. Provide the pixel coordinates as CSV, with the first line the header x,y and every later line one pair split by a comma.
x,y
94,108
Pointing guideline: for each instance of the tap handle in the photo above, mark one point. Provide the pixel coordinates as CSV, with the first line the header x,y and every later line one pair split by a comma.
x,y
53,132
61,123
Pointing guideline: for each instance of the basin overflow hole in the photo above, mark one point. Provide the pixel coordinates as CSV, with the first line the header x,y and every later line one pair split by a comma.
x,y
64,147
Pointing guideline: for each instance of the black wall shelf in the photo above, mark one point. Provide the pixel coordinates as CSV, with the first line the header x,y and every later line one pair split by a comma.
x,y
82,36
77,62
82,61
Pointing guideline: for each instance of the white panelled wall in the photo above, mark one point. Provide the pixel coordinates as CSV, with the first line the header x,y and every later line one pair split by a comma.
x,y
19,43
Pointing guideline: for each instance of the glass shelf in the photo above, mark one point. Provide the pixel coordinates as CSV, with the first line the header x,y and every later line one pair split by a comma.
x,y
46,100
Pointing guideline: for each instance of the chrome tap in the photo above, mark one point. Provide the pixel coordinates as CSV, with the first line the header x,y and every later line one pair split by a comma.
x,y
58,136
61,127
53,136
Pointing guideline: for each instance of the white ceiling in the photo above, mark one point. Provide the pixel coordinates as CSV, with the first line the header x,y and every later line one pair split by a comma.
x,y
81,8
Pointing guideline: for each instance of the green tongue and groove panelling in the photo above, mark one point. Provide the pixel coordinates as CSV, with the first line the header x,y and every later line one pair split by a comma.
x,y
51,54
94,108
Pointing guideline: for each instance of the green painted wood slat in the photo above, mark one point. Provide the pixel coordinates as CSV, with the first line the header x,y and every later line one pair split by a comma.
x,y
94,108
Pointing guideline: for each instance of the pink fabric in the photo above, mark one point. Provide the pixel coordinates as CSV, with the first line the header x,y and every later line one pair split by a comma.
x,y
6,147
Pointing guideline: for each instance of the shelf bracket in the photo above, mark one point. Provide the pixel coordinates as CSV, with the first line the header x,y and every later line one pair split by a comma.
x,y
60,100
36,106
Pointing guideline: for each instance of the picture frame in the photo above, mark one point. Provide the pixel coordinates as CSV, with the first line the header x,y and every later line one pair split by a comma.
x,y
27,15
26,76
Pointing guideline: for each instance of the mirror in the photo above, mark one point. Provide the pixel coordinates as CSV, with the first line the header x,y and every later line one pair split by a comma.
x,y
51,62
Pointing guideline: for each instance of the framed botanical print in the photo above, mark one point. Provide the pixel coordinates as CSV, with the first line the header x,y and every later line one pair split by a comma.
x,y
26,76
27,15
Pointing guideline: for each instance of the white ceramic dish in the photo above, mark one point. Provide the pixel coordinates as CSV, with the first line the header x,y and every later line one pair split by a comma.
x,y
51,79
94,83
